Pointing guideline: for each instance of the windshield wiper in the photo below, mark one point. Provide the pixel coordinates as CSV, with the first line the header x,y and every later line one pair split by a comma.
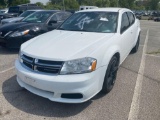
x,y
71,29
78,30
61,29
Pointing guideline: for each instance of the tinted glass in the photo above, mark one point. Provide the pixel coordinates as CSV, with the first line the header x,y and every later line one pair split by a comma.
x,y
25,14
66,15
63,16
105,22
38,17
131,17
13,10
54,18
124,23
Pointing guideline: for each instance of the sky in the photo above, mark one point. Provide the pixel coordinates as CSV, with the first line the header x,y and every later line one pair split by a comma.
x,y
43,1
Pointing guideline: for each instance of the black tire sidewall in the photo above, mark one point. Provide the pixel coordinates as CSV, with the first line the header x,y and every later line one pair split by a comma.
x,y
105,88
135,49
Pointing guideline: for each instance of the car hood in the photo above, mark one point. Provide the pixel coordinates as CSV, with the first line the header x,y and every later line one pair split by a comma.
x,y
16,26
12,19
64,45
1,14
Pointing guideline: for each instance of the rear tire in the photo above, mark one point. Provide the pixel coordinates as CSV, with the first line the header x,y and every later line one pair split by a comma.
x,y
135,49
111,74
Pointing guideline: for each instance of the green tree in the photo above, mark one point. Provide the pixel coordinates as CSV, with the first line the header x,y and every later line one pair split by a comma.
x,y
40,4
52,6
18,2
71,4
154,4
56,1
114,3
102,3
123,3
131,4
6,2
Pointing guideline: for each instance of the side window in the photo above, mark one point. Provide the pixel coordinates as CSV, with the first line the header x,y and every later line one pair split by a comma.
x,y
54,18
60,16
66,15
124,23
131,17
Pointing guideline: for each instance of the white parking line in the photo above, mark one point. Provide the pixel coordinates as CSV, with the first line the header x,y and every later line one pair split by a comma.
x,y
152,55
7,70
134,110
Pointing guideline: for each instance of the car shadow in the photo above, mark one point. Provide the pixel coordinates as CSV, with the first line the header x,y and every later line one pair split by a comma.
x,y
99,96
4,51
33,104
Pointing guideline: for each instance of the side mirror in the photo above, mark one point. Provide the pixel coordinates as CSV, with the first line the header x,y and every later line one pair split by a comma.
x,y
20,12
52,22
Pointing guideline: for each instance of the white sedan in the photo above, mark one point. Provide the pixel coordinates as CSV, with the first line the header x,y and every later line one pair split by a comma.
x,y
80,58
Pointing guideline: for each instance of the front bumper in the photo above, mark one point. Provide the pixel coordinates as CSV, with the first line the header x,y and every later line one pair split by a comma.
x,y
53,86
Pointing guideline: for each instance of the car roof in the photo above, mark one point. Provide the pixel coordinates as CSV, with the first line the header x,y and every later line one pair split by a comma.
x,y
50,11
35,10
108,9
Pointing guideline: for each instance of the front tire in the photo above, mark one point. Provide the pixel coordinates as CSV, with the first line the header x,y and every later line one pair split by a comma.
x,y
111,75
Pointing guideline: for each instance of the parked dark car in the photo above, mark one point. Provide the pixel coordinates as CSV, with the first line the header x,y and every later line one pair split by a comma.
x,y
157,19
13,35
151,18
138,16
19,18
17,10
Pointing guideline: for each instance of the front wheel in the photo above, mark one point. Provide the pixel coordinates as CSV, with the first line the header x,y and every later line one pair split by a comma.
x,y
111,75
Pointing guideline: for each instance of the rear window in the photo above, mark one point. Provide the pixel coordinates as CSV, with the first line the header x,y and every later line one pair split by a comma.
x,y
131,17
13,10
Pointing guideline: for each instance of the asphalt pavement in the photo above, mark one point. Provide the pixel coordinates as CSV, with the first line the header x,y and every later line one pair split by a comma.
x,y
135,96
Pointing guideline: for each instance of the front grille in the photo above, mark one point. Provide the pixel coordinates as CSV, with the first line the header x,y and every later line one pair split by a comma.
x,y
27,64
40,65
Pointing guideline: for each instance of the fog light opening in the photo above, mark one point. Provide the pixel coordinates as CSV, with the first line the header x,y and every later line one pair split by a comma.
x,y
72,95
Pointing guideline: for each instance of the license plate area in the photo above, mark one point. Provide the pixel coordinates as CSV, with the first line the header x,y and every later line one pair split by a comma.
x,y
29,80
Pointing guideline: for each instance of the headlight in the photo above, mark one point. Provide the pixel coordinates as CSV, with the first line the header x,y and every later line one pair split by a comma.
x,y
20,57
79,66
17,33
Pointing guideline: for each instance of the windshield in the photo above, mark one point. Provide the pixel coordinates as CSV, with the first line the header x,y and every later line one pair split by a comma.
x,y
13,10
26,13
38,17
105,22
